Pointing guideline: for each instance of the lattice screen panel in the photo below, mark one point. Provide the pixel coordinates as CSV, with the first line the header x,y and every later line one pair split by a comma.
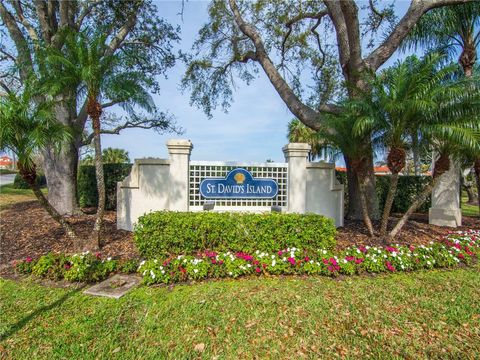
x,y
203,170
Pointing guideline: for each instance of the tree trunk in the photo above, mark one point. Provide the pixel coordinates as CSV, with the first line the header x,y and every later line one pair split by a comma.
x,y
415,205
355,211
363,202
61,166
388,203
29,175
468,189
442,165
476,167
95,111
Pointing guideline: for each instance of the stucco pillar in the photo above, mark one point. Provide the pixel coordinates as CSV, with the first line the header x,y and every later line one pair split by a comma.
x,y
179,151
296,156
445,210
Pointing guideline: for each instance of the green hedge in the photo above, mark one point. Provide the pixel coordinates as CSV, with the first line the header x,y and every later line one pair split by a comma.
x,y
19,183
408,189
87,184
166,232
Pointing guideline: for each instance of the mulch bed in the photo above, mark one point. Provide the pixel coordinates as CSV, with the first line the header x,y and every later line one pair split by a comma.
x,y
27,230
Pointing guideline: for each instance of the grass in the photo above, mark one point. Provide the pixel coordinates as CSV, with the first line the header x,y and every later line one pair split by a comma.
x,y
9,195
7,171
417,315
467,209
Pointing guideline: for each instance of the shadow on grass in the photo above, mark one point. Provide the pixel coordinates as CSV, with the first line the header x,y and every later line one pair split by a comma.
x,y
21,323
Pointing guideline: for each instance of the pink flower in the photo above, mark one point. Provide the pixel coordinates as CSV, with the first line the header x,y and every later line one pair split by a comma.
x,y
350,258
307,258
258,270
67,266
359,261
220,262
98,255
256,262
389,266
280,253
325,261
333,261
391,249
28,259
362,249
291,260
214,261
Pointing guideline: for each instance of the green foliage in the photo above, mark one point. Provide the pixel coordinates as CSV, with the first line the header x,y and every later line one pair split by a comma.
x,y
19,183
445,253
89,268
128,266
84,267
162,233
50,266
87,186
409,187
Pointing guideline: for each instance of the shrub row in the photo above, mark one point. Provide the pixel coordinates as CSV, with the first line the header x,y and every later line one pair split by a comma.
x,y
19,183
456,249
164,233
409,187
84,267
87,184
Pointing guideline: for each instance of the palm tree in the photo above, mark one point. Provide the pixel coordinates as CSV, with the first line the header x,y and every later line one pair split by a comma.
x,y
85,63
450,28
403,98
26,129
298,132
339,136
115,156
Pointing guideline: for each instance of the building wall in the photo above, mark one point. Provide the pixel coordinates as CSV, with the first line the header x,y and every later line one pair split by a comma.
x,y
158,184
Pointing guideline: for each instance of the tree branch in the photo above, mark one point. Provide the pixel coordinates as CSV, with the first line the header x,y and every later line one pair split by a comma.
x,y
392,42
43,19
24,59
122,34
18,9
307,115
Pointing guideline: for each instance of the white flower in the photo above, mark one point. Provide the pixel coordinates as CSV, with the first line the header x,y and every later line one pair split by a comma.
x,y
163,272
195,271
155,261
109,258
345,261
374,260
152,274
144,272
249,265
284,259
324,252
429,263
230,273
274,263
143,262
273,256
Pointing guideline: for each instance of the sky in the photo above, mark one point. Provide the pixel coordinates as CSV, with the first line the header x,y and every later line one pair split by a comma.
x,y
254,129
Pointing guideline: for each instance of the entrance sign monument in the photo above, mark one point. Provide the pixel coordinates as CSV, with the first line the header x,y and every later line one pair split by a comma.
x,y
178,184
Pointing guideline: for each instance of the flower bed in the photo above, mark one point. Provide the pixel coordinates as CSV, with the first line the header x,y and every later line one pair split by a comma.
x,y
449,252
452,250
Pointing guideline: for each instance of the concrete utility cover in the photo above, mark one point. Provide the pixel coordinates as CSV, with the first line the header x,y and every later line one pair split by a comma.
x,y
114,287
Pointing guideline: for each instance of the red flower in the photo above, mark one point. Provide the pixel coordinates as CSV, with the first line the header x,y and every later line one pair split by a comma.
x,y
28,259
214,261
307,258
258,270
291,260
264,265
98,255
220,262
67,266
256,262
389,266
461,256
183,270
325,261
359,261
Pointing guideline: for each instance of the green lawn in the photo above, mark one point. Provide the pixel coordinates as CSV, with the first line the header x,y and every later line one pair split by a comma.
x,y
468,210
417,315
9,195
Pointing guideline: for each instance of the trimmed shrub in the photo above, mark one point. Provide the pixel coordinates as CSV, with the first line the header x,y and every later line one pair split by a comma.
x,y
87,184
166,232
19,183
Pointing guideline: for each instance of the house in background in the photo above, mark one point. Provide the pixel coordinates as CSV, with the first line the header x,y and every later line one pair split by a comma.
x,y
6,162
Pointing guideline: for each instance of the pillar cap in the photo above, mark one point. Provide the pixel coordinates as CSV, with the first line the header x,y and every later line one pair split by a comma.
x,y
296,150
179,146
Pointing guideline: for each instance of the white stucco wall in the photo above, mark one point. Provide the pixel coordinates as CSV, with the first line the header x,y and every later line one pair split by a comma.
x,y
158,184
324,192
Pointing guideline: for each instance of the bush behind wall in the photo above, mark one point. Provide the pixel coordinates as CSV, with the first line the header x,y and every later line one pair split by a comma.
x,y
87,184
